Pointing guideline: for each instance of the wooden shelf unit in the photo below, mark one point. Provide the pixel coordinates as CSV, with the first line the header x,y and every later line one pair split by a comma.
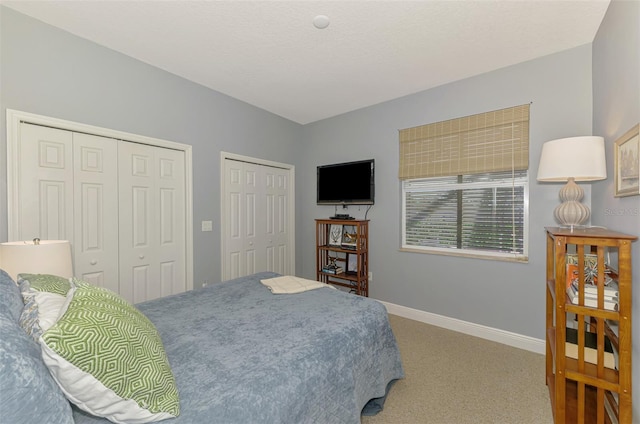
x,y
358,280
580,391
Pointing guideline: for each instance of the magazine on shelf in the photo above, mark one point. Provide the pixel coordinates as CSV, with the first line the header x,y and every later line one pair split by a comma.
x,y
590,270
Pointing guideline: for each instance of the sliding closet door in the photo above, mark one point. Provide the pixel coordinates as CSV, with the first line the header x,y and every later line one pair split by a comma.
x,y
95,241
68,191
256,227
152,221
277,219
245,253
45,184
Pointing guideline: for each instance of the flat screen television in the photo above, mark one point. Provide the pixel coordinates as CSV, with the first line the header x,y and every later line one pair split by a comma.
x,y
349,183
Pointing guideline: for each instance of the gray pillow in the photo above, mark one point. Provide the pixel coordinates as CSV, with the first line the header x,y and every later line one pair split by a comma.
x,y
11,303
28,393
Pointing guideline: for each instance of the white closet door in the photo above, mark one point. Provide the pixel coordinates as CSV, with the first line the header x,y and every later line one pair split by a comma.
x,y
63,183
95,242
45,193
277,219
254,237
240,223
255,232
152,222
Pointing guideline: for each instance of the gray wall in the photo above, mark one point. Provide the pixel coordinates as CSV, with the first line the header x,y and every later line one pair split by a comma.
x,y
50,72
505,295
616,108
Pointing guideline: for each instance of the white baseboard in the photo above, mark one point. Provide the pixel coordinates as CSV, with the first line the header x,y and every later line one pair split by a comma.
x,y
505,337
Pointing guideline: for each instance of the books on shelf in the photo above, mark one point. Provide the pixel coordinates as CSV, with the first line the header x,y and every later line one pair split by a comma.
x,y
590,348
592,291
610,290
591,298
333,270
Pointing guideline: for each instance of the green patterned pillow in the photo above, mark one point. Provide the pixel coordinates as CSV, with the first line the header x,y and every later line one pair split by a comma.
x,y
44,283
108,358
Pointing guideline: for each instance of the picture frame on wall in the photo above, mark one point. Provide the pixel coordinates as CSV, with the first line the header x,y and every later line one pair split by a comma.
x,y
627,164
335,235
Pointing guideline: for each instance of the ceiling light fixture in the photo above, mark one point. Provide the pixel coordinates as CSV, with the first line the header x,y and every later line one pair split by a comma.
x,y
321,21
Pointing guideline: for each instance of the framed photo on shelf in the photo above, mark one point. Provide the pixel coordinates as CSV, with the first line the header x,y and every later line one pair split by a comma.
x,y
627,164
335,235
349,236
352,263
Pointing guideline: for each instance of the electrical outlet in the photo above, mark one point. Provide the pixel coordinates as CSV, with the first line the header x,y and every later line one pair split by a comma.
x,y
207,225
370,276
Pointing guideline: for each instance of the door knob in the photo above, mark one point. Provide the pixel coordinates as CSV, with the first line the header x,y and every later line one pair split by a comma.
x,y
141,256
93,262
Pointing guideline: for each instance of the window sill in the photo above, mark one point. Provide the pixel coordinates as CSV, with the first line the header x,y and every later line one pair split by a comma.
x,y
466,254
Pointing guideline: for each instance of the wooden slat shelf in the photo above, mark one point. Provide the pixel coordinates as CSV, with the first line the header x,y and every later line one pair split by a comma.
x,y
358,281
582,392
571,412
571,364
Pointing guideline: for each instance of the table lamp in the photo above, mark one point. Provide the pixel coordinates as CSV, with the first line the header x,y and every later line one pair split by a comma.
x,y
572,159
36,257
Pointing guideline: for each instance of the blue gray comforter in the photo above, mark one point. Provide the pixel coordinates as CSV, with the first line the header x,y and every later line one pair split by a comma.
x,y
241,354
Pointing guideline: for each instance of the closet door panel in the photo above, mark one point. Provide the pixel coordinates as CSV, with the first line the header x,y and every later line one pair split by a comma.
x,y
255,230
152,222
255,243
95,245
142,285
234,256
45,184
277,219
171,218
136,220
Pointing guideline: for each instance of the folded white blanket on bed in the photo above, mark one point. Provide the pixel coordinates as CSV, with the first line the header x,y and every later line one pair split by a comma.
x,y
288,284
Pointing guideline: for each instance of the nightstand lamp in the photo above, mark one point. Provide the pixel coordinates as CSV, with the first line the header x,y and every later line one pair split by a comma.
x,y
36,257
572,159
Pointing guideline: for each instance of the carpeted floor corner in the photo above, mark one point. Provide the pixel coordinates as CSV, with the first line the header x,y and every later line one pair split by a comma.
x,y
453,378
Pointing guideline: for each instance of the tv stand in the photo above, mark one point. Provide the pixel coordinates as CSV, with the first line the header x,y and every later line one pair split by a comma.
x,y
341,216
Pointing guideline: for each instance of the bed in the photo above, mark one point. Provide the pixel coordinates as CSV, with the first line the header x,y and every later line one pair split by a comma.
x,y
241,354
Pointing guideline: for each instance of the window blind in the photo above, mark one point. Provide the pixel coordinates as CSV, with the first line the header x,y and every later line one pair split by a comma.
x,y
487,142
480,212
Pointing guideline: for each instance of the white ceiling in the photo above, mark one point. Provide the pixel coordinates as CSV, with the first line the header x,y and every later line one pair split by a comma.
x,y
269,54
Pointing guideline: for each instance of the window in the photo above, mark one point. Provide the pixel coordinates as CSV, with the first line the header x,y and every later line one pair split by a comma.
x,y
481,214
465,185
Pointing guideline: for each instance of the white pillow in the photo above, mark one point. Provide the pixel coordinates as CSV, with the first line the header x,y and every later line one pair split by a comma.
x,y
43,296
41,311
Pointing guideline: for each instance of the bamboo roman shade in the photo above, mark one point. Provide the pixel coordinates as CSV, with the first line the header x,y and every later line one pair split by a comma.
x,y
487,142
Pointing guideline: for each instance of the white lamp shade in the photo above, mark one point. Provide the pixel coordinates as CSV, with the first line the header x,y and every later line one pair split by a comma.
x,y
581,158
48,257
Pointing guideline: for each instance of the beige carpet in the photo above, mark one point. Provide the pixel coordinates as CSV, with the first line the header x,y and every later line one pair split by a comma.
x,y
452,378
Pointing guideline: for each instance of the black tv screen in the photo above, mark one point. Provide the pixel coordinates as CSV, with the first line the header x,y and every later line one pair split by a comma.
x,y
350,183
